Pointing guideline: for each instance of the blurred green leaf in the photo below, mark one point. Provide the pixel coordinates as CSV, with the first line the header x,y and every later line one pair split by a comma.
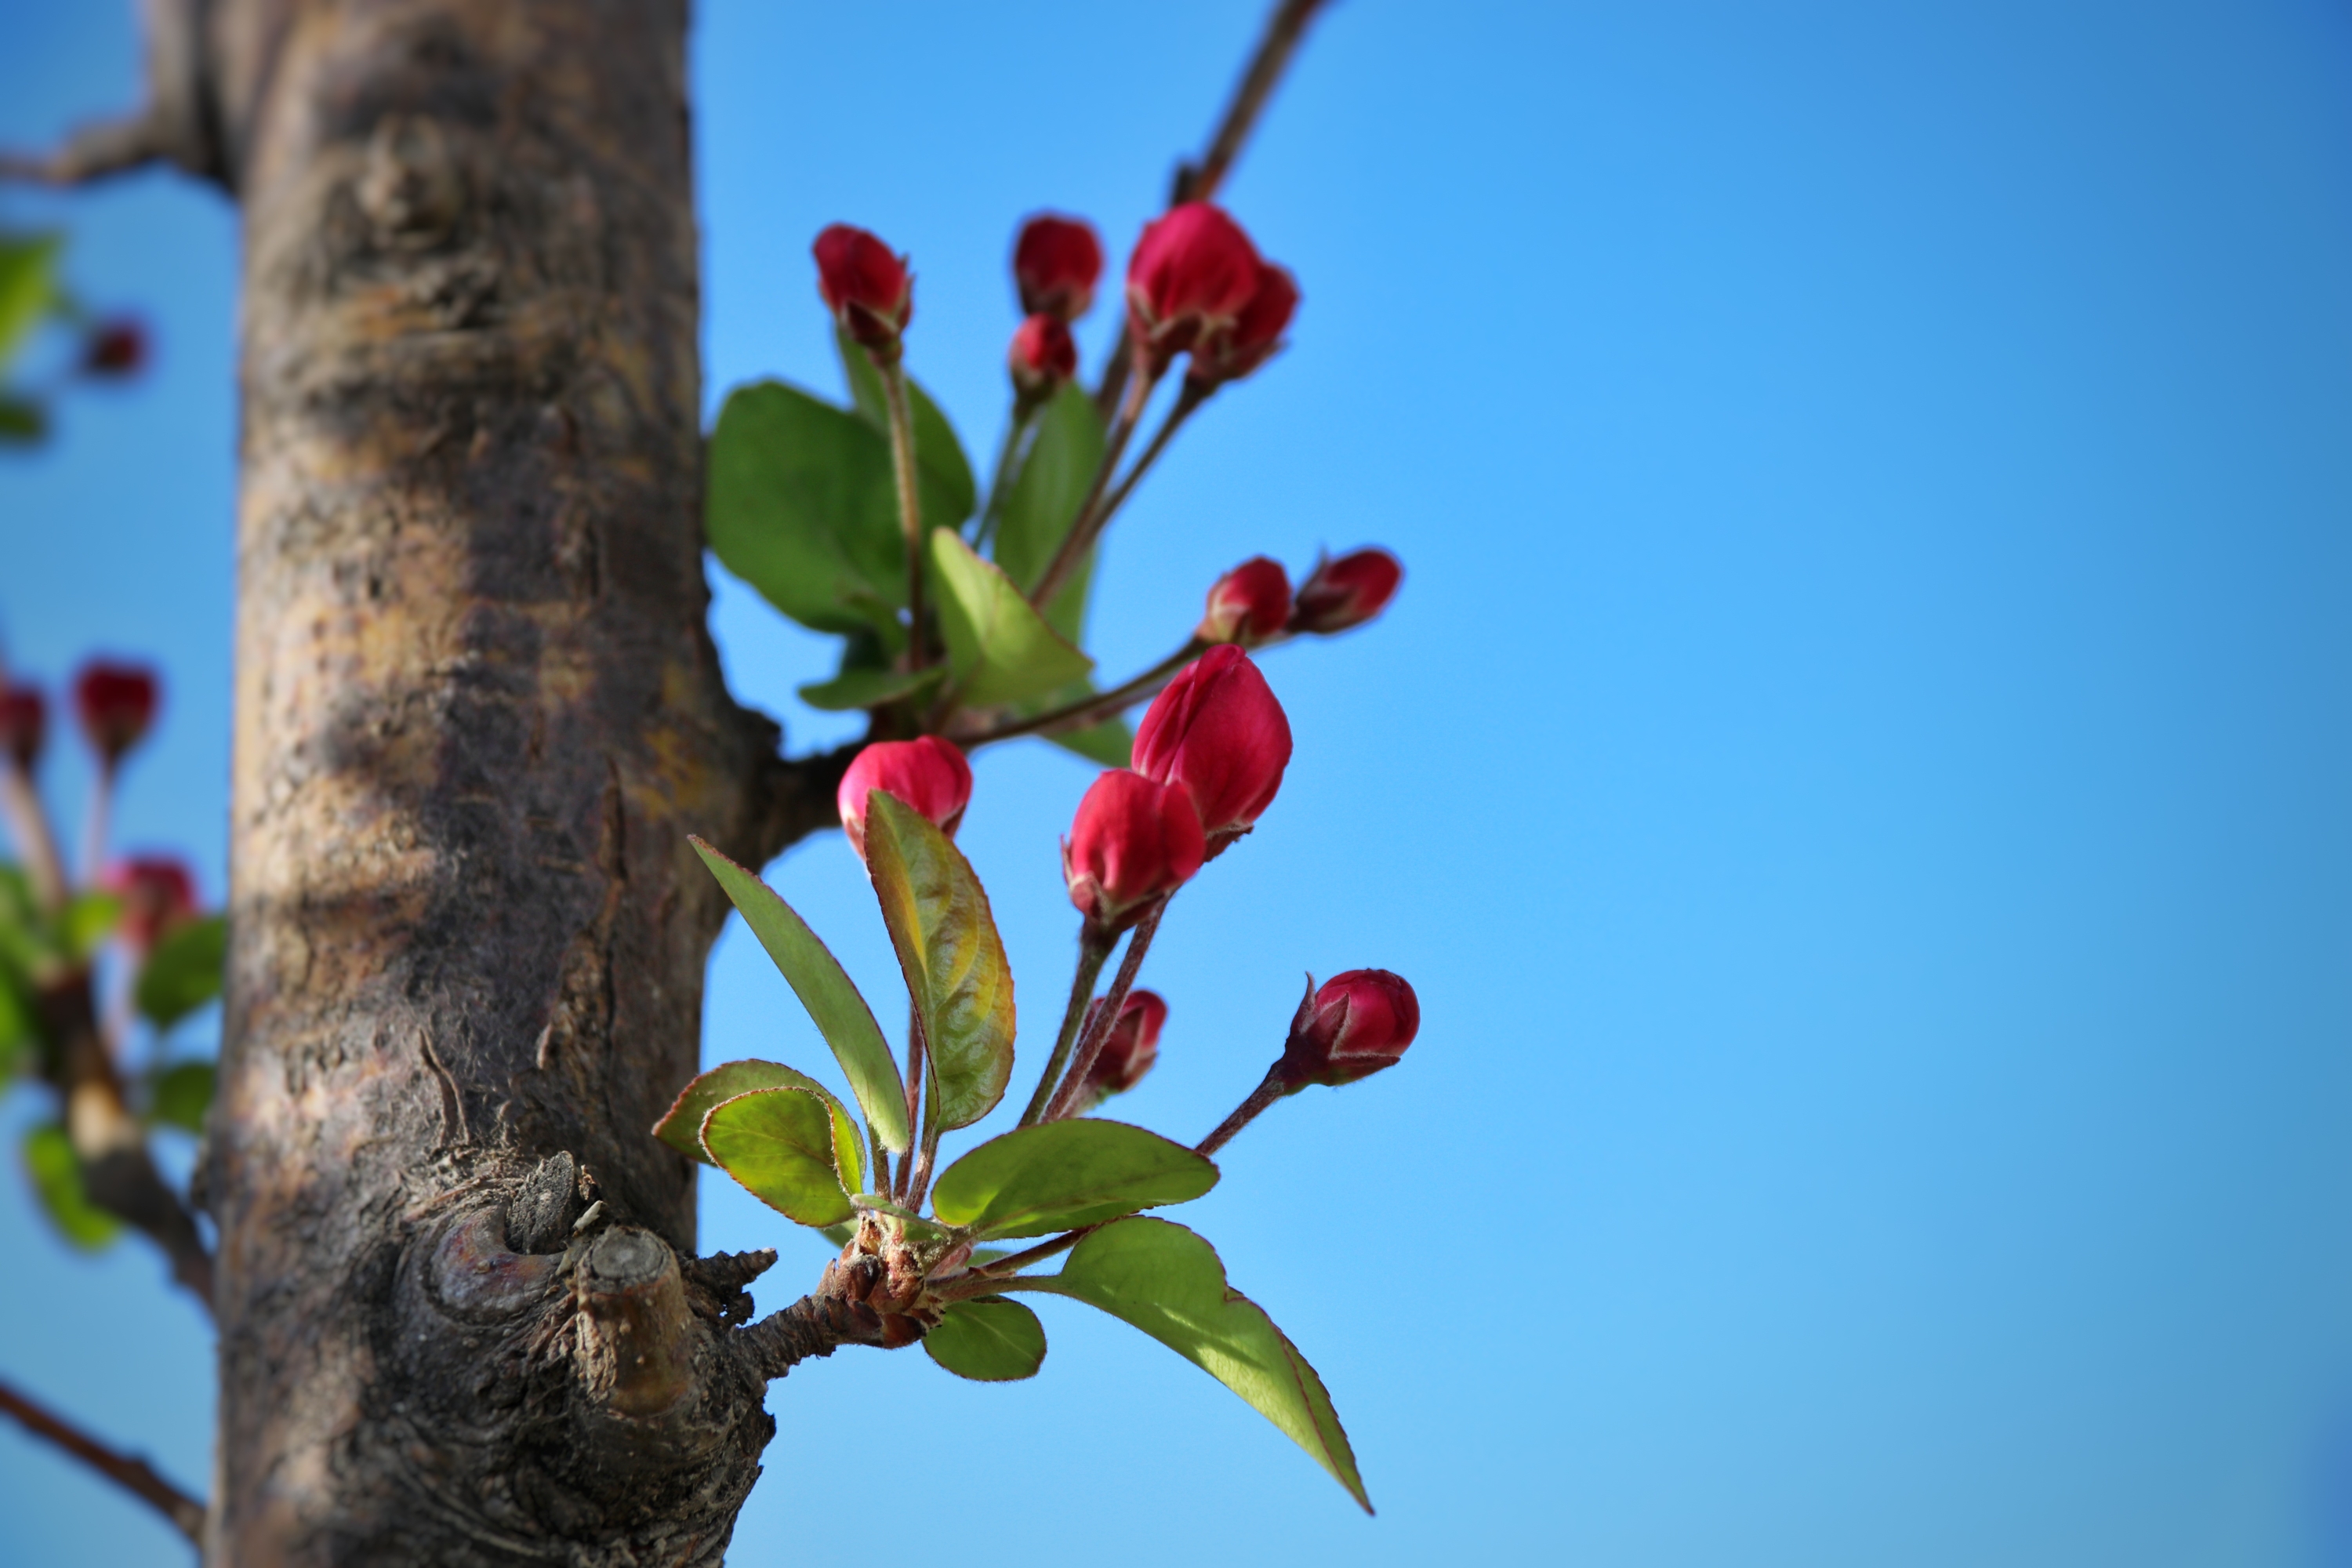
x,y
85,924
184,973
856,688
681,1126
794,1149
1110,743
18,1027
181,1094
1043,501
801,506
55,1171
998,649
942,472
22,420
1167,1282
839,1234
28,287
1059,1176
989,1339
840,1014
951,954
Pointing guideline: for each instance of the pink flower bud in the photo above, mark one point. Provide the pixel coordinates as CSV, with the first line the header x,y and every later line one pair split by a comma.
x,y
1128,1051
115,349
157,894
1191,273
1219,733
928,774
1056,262
1248,604
24,723
1254,336
116,705
1042,358
1347,592
1358,1024
867,288
1132,841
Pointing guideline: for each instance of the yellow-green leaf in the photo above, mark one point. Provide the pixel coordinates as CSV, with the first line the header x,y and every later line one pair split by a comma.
x,y
998,649
55,1170
184,973
1059,1176
795,1151
681,1126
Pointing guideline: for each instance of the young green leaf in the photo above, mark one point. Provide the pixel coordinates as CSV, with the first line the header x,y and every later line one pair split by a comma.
x,y
795,1151
800,504
1167,1282
29,289
184,973
951,954
856,688
180,1095
55,1170
681,1126
1059,1176
999,648
86,921
989,1339
841,1015
17,1026
942,472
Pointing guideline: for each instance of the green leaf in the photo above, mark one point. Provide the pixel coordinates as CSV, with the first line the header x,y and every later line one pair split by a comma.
x,y
1110,743
989,1339
184,973
85,924
681,1126
55,1170
998,649
181,1094
22,419
1059,1176
951,954
16,1027
1162,1279
841,1015
1043,501
28,287
839,1234
795,1151
854,688
942,473
800,505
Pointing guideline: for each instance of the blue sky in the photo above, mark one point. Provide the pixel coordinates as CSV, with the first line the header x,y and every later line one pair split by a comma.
x,y
1857,772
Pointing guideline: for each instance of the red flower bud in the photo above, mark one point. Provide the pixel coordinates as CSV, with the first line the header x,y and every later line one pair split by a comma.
x,y
928,774
1191,274
1133,840
24,723
868,288
1255,335
116,704
1347,592
1056,262
1358,1024
1219,733
1128,1051
115,349
1248,604
1042,358
157,894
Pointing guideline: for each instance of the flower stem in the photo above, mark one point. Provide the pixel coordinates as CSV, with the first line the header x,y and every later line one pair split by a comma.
x,y
1093,951
97,824
1082,530
910,506
914,1101
1102,705
1065,1100
1192,395
36,839
1264,1095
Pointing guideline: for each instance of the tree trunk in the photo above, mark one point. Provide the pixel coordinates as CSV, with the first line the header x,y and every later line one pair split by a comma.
x,y
477,712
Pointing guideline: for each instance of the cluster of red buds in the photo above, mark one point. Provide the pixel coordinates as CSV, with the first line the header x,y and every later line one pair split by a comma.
x,y
158,894
1197,284
113,704
1252,605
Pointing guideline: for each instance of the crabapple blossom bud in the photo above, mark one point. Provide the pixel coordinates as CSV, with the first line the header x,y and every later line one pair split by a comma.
x,y
867,287
1056,262
928,774
1191,273
157,894
1219,733
116,704
1248,604
1128,1051
24,723
1231,352
1134,839
1042,358
1347,592
1358,1024
115,349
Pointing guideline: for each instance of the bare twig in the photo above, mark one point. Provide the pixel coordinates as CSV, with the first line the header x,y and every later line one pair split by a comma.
x,y
132,1474
179,124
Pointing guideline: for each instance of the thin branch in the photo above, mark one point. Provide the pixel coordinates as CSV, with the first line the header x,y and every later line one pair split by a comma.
x,y
1093,948
1073,548
132,1474
1264,1094
1065,1100
1102,705
1191,398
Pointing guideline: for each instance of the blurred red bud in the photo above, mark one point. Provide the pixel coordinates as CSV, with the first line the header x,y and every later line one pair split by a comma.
x,y
115,349
1219,733
1132,841
23,724
1042,358
1255,335
1191,273
928,774
1358,1024
1128,1051
1054,263
1347,592
116,705
158,892
867,287
1247,605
